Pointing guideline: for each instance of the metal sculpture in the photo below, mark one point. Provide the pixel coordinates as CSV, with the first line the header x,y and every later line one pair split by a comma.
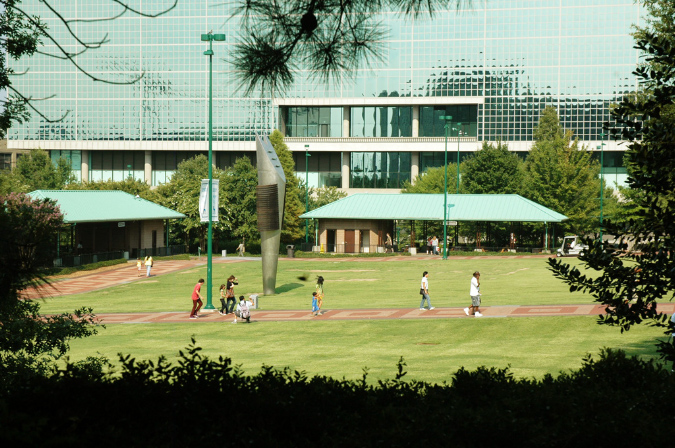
x,y
271,196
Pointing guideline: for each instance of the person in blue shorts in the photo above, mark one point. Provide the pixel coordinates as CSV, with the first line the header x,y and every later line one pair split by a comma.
x,y
315,304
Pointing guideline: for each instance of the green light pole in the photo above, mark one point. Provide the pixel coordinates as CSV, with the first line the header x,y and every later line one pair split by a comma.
x,y
459,132
210,37
601,147
307,154
129,168
447,119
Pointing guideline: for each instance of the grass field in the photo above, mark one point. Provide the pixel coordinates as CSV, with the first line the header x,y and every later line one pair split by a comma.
x,y
357,283
432,349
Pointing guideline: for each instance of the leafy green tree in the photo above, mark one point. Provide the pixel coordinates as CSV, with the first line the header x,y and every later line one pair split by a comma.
x,y
239,201
562,176
29,341
128,185
23,35
492,170
293,228
181,194
631,285
433,181
36,171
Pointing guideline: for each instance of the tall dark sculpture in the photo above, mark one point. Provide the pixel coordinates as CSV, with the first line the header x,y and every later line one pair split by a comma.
x,y
271,197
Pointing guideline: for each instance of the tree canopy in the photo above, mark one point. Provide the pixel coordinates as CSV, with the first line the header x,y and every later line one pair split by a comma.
x,y
493,169
632,280
561,175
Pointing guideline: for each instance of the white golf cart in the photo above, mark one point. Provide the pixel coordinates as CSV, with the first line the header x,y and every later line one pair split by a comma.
x,y
571,247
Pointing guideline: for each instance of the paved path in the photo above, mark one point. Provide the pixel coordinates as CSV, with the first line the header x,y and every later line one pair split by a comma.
x,y
128,274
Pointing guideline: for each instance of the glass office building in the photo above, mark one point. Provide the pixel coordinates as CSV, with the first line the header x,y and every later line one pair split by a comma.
x,y
493,67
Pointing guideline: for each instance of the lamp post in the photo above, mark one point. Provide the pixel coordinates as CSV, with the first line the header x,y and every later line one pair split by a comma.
x,y
601,147
447,119
129,168
307,154
459,132
210,37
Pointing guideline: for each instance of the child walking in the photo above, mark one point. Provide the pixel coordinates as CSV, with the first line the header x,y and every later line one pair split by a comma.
x,y
319,293
139,266
315,304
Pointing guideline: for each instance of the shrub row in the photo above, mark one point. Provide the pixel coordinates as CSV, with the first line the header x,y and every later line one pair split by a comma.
x,y
615,400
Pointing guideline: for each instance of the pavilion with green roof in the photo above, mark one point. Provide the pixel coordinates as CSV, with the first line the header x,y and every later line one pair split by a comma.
x,y
109,221
360,222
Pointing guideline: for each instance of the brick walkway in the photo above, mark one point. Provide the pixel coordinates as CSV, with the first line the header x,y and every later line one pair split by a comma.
x,y
128,274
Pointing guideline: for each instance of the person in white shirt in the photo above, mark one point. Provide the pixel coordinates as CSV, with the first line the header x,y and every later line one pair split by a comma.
x,y
474,292
424,290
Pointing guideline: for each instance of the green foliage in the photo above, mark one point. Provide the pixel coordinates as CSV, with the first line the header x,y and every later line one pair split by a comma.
x,y
128,185
433,181
28,340
631,285
28,228
35,171
239,199
182,195
150,401
561,176
329,39
293,227
492,170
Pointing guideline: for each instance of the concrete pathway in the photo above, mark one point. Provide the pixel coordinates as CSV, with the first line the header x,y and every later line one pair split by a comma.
x,y
128,274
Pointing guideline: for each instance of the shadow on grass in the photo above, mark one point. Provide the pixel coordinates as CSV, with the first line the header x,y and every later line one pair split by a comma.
x,y
288,287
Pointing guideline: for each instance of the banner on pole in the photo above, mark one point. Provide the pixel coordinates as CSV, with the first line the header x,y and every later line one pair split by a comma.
x,y
204,200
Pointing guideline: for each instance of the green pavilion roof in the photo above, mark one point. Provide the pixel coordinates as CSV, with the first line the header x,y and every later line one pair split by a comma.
x,y
429,207
103,205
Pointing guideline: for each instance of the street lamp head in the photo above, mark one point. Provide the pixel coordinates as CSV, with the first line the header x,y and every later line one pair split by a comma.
x,y
210,36
446,117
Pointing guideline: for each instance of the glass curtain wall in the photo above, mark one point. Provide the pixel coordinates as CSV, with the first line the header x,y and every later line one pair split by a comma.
x,y
312,121
381,121
379,169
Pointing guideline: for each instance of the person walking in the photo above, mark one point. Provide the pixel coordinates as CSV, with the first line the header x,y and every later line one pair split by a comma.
x,y
424,290
241,248
434,245
319,293
229,294
138,266
388,244
315,304
223,307
148,265
474,292
196,299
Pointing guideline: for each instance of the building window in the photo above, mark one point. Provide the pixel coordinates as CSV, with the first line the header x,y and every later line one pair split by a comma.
x,y
324,170
75,159
379,169
431,124
5,161
381,121
312,121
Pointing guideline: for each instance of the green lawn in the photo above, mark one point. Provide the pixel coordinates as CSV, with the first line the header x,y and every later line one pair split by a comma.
x,y
433,349
358,283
